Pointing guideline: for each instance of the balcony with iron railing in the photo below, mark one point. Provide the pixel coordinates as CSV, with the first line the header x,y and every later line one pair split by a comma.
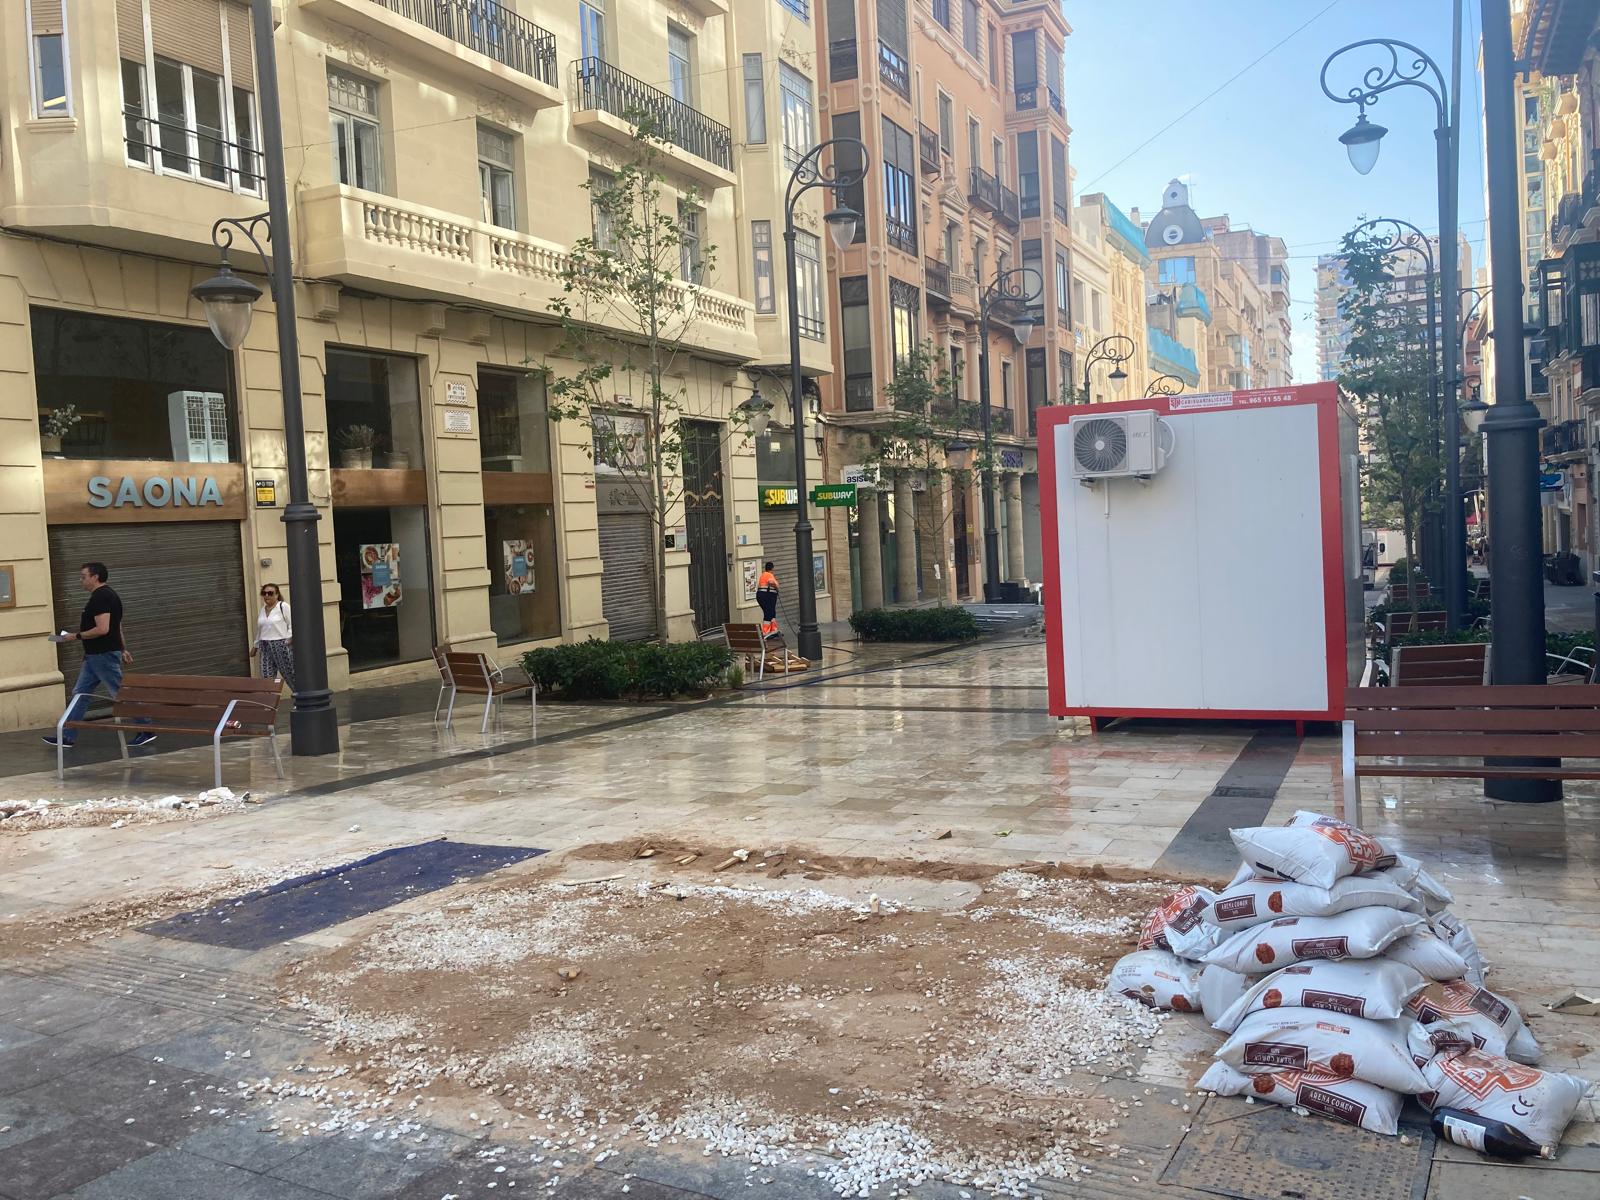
x,y
894,70
1569,437
1056,104
936,282
1569,215
1025,97
1010,209
928,150
842,64
479,41
983,189
611,104
901,235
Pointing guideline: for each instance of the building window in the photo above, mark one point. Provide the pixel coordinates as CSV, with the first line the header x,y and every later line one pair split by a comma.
x,y
1037,386
680,72
690,265
941,12
847,161
994,55
904,301
1060,201
518,514
755,101
602,184
971,32
958,374
48,49
1028,172
1005,384
1176,270
900,187
1025,68
800,8
761,258
1033,260
189,133
855,321
843,61
947,125
592,28
808,283
496,171
1063,286
134,389
353,112
799,121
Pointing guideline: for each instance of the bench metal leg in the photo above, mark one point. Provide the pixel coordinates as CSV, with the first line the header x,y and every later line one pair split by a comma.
x,y
439,703
122,744
450,712
533,706
488,711
61,732
1352,784
277,758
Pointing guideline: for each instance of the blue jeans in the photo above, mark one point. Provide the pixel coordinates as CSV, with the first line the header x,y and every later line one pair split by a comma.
x,y
97,669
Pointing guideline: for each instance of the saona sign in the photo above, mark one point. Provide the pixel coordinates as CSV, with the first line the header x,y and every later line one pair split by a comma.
x,y
158,491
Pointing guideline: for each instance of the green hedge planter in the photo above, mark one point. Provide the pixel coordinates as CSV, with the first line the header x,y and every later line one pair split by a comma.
x,y
596,670
944,624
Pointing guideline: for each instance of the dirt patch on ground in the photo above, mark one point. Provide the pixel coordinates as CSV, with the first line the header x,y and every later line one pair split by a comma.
x,y
757,1016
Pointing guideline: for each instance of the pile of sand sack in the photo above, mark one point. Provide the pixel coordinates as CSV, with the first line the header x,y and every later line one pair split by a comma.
x,y
1344,984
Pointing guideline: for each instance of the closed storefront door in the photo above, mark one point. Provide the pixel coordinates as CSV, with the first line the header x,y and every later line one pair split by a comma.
x,y
182,589
628,580
704,519
777,535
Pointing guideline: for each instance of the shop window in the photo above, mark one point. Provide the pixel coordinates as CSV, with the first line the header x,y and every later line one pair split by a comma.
x,y
519,506
110,388
374,416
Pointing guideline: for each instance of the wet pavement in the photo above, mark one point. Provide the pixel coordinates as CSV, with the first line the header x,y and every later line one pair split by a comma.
x,y
120,1058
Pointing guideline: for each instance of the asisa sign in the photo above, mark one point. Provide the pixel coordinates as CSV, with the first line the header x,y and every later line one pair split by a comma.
x,y
158,491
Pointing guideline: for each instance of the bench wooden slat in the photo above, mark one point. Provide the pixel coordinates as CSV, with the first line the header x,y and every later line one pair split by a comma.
x,y
244,710
1480,745
135,728
1465,720
1446,771
206,695
1483,696
221,683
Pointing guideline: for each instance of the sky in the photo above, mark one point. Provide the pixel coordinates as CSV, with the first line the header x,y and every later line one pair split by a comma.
x,y
1264,149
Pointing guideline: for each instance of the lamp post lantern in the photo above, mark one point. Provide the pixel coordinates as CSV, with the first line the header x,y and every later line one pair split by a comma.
x,y
1009,287
1402,65
228,300
841,220
1116,349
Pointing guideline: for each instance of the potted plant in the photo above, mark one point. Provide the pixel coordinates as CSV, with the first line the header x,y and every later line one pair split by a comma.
x,y
55,425
395,460
355,446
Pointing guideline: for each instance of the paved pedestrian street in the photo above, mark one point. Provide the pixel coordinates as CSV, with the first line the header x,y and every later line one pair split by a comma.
x,y
844,932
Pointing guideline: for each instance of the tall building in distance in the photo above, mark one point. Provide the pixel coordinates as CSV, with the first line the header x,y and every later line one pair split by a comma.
x,y
1333,331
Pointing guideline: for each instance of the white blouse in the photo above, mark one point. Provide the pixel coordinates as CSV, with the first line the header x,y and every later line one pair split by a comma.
x,y
274,625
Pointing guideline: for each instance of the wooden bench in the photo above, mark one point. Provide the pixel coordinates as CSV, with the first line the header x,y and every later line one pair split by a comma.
x,y
1396,623
213,706
1402,593
1455,664
1482,589
749,642
474,674
1448,732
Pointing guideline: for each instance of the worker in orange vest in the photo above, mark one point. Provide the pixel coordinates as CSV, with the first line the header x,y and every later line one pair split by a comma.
x,y
767,597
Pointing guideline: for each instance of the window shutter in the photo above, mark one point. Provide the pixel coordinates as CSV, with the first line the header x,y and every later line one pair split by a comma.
x,y
47,16
189,31
130,30
241,49
892,25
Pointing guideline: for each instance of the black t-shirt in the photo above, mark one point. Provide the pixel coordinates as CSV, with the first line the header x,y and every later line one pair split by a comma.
x,y
103,600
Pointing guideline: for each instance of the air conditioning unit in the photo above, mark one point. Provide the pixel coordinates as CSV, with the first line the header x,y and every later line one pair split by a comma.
x,y
1118,445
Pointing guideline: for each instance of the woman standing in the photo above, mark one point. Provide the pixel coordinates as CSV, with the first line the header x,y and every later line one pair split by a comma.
x,y
274,636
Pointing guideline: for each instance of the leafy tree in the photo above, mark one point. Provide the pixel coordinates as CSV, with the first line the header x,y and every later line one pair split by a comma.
x,y
926,416
629,308
1389,376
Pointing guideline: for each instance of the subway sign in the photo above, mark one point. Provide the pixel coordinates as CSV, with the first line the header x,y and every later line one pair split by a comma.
x,y
780,497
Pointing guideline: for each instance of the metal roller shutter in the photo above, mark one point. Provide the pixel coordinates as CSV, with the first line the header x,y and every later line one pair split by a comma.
x,y
241,51
46,16
628,578
182,589
130,30
777,536
188,31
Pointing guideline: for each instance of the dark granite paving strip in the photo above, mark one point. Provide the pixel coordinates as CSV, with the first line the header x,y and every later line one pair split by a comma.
x,y
1242,797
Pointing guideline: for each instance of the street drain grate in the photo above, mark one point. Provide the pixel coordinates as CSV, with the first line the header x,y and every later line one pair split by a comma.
x,y
296,907
1268,1153
1245,792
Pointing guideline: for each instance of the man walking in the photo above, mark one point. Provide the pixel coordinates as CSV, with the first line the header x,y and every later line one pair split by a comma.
x,y
104,653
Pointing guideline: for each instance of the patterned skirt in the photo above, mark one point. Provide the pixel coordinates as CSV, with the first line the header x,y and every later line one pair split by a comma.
x,y
277,661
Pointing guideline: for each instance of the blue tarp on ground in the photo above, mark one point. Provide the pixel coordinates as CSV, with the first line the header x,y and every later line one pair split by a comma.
x,y
302,905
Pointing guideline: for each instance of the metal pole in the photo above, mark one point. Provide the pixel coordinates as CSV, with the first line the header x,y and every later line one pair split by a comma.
x,y
1431,556
991,535
1453,523
808,638
1513,423
314,724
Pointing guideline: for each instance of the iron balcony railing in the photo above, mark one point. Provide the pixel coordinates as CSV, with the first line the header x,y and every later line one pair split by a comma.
x,y
191,150
1058,205
983,188
902,235
1569,437
1569,215
1025,97
969,416
1056,106
602,86
936,276
842,59
893,69
928,145
1591,181
489,28
1010,210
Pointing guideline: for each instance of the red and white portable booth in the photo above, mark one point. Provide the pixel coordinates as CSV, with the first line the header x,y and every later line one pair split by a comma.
x,y
1203,556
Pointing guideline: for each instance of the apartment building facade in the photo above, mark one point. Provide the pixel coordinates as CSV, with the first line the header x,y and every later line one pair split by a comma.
x,y
437,157
959,103
1127,259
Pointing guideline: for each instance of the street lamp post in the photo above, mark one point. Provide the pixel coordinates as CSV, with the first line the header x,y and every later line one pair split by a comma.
x,y
808,173
1404,236
1164,385
227,299
1515,546
1009,287
1407,66
1117,348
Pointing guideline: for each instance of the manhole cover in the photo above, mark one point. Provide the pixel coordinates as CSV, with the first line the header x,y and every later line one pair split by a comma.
x,y
1268,1153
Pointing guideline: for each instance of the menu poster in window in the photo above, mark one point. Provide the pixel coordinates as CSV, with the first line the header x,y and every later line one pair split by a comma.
x,y
518,559
380,574
819,572
750,569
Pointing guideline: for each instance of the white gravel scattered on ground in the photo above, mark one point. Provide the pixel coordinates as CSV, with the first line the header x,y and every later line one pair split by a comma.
x,y
1059,905
24,816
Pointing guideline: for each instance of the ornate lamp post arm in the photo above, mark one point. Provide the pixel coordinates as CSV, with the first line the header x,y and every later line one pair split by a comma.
x,y
808,174
1407,66
1164,385
1115,348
